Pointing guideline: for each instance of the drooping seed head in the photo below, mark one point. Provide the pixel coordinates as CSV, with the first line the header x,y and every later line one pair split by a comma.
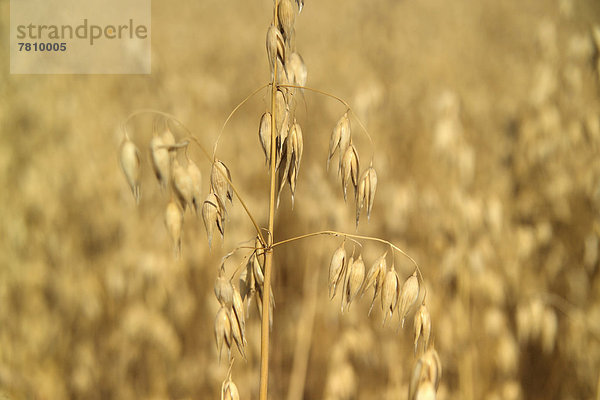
x,y
361,195
219,183
281,118
196,176
296,69
286,14
298,143
410,293
356,277
236,333
264,135
161,161
223,289
345,279
336,269
340,139
275,47
247,283
390,292
372,177
230,391
130,164
183,185
238,312
222,330
345,135
375,278
174,224
426,376
283,173
422,326
350,169
213,215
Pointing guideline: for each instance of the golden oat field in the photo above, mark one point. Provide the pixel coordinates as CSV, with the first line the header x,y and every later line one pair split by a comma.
x,y
485,120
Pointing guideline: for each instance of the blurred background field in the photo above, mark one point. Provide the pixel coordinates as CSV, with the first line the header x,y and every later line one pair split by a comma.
x,y
486,121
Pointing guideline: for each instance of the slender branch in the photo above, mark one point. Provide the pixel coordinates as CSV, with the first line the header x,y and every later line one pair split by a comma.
x,y
233,112
349,235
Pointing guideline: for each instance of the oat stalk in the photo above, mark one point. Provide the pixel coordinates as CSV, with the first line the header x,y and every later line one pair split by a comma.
x,y
264,334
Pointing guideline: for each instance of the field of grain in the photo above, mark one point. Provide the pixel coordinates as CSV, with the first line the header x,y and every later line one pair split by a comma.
x,y
485,117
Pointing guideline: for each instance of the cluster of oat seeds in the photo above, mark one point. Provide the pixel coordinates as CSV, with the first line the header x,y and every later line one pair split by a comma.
x,y
350,274
230,322
349,167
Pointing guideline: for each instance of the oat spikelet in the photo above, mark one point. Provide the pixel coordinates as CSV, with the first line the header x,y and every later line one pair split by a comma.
x,y
375,278
356,276
365,192
281,119
196,176
336,269
410,293
300,4
426,375
372,178
222,330
213,215
346,278
349,169
161,161
296,70
390,292
296,148
422,326
340,138
264,135
223,289
183,185
275,47
238,311
174,224
236,333
286,14
247,283
130,164
218,181
361,195
230,391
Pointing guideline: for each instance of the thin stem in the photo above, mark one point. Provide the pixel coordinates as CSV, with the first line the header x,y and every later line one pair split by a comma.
x,y
264,332
349,235
233,112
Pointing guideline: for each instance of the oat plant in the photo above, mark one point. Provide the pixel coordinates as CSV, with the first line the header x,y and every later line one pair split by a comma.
x,y
282,140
